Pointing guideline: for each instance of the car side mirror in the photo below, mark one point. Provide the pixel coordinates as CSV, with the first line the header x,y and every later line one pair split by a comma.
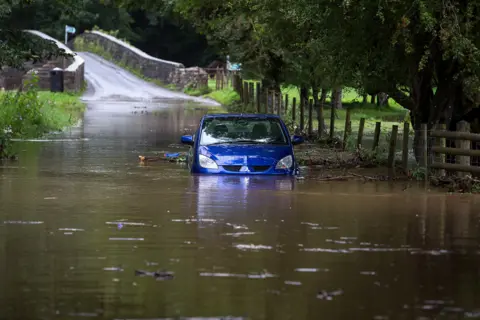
x,y
296,140
187,140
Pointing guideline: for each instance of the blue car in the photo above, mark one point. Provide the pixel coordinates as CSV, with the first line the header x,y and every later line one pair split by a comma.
x,y
242,144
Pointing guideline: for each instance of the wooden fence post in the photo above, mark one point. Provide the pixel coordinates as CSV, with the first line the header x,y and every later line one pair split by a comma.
x,y
239,89
360,132
463,126
332,122
406,131
274,101
266,100
310,116
440,157
320,127
294,102
279,109
424,131
286,103
376,135
302,114
251,91
392,147
348,125
257,93
222,82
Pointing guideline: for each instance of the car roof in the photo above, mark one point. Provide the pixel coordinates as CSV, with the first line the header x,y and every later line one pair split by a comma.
x,y
241,115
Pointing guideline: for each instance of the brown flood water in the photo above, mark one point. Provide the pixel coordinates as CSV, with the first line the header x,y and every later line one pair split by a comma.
x,y
79,215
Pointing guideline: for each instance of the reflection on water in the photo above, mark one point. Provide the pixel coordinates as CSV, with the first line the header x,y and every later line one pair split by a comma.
x,y
79,218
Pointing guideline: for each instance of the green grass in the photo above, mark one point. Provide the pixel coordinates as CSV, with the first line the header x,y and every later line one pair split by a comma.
x,y
32,113
351,99
65,108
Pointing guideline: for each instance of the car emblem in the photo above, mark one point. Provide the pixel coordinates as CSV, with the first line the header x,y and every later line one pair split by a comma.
x,y
244,169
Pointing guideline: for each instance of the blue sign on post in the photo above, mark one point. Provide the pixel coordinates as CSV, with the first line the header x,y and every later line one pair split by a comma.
x,y
69,29
233,66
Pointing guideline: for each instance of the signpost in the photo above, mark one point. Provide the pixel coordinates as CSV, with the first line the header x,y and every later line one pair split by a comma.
x,y
233,66
69,29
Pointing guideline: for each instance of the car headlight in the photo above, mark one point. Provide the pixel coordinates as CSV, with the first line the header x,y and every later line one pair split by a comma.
x,y
206,162
285,163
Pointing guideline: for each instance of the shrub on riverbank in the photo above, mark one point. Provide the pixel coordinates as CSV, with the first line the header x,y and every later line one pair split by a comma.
x,y
32,113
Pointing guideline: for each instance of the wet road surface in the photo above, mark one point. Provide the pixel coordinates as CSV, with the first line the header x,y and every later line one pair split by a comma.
x,y
79,217
108,82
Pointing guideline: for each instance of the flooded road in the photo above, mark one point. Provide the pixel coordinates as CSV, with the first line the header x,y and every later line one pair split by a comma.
x,y
82,224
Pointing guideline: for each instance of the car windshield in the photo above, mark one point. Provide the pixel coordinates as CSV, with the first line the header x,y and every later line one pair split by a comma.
x,y
242,130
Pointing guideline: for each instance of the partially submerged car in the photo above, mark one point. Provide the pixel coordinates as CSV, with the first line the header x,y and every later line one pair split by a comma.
x,y
242,144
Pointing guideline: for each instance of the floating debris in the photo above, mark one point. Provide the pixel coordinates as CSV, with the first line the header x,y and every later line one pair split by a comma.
x,y
324,295
158,275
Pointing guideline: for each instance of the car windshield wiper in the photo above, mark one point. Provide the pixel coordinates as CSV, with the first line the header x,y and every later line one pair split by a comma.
x,y
250,141
221,142
237,141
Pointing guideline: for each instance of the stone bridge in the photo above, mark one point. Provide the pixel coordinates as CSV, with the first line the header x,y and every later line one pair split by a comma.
x,y
160,71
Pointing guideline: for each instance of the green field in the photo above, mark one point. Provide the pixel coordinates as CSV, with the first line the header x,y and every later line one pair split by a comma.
x,y
387,115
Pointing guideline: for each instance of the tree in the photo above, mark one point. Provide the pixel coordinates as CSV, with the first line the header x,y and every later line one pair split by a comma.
x,y
424,54
17,46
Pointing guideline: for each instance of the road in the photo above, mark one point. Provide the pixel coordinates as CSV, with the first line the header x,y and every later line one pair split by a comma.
x,y
108,82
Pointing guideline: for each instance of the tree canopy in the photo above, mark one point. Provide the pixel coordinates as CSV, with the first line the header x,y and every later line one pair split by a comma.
x,y
17,46
163,33
423,53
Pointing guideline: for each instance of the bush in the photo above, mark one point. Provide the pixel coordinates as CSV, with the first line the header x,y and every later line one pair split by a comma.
x,y
31,114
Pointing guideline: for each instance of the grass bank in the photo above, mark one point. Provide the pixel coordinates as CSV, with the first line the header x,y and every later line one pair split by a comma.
x,y
33,113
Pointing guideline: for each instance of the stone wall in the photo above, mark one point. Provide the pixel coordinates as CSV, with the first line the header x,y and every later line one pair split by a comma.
x,y
126,55
193,78
74,68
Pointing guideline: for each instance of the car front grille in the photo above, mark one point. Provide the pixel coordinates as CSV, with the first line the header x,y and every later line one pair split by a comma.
x,y
260,168
252,168
232,168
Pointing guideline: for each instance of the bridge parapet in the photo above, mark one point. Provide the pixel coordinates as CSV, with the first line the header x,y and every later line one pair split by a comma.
x,y
135,60
74,68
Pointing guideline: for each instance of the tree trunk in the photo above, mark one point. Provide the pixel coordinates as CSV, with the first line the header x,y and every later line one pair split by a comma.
x,y
372,99
317,105
323,97
304,105
382,99
337,93
364,101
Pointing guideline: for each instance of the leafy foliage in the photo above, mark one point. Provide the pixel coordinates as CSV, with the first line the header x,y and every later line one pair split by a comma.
x,y
31,114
